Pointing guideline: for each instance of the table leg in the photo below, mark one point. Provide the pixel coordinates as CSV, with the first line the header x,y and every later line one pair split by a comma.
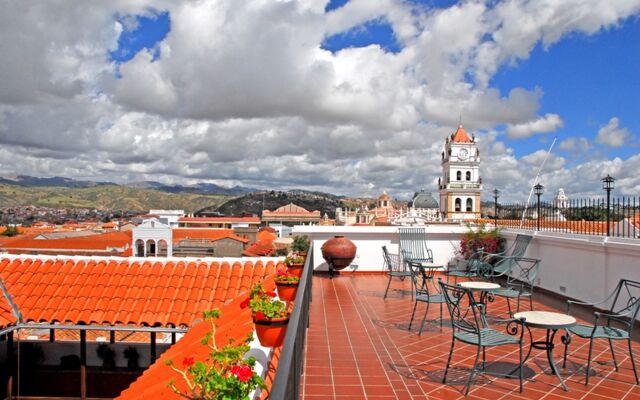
x,y
548,346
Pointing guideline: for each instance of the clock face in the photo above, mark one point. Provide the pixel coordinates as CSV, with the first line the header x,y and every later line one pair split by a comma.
x,y
463,154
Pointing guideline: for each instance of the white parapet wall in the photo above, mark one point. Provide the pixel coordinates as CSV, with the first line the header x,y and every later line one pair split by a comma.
x,y
582,267
443,240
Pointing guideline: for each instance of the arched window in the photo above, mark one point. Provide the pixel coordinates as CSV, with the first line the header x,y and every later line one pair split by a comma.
x,y
139,248
151,248
459,175
458,204
469,205
468,175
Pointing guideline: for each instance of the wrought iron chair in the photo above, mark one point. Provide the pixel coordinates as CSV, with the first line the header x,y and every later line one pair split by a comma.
x,y
413,245
521,275
470,270
395,269
517,248
423,292
481,262
467,328
616,323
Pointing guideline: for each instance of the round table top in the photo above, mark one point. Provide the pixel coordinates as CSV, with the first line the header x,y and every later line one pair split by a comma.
x,y
473,285
431,265
546,319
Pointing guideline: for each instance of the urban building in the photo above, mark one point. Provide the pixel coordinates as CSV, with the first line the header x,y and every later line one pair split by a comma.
x,y
460,185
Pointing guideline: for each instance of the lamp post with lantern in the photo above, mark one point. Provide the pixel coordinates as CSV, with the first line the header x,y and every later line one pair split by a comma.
x,y
538,191
607,184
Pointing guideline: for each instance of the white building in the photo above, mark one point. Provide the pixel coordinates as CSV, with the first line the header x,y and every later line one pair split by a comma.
x,y
168,217
461,184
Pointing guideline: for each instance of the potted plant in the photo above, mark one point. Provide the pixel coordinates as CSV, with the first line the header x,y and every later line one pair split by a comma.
x,y
295,263
107,355
481,238
224,374
300,245
270,316
132,356
287,284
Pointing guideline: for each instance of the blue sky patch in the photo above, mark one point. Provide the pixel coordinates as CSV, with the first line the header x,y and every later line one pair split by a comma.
x,y
146,33
378,31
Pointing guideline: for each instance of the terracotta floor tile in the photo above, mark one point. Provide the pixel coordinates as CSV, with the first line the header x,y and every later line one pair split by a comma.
x,y
358,347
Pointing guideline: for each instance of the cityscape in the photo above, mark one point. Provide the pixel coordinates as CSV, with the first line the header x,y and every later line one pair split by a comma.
x,y
301,199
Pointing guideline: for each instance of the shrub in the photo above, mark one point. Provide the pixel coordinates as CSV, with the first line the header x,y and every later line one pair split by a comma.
x,y
489,240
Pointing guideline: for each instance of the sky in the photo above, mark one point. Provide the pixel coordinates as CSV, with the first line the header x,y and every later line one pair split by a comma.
x,y
350,97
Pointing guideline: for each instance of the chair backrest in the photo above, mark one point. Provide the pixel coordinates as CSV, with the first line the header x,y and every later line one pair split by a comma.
x,y
626,301
413,244
464,312
392,261
523,273
520,245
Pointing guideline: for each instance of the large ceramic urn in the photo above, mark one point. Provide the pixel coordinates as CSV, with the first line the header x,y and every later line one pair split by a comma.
x,y
338,252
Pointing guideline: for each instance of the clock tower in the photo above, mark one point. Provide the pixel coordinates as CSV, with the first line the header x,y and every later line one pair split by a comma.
x,y
461,184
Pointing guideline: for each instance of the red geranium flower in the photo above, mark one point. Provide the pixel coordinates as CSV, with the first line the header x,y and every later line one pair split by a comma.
x,y
243,373
187,362
245,303
271,294
260,315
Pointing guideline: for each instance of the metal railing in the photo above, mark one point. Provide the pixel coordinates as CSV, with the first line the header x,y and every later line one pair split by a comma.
x,y
286,384
585,216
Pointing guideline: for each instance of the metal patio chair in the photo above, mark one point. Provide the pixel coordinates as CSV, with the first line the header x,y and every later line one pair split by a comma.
x,y
395,269
425,290
413,245
521,275
467,327
616,323
481,262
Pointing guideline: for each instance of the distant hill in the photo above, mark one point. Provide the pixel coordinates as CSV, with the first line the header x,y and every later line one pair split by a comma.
x,y
255,202
105,196
199,188
58,181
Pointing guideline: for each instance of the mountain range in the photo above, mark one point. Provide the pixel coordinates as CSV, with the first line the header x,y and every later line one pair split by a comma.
x,y
58,181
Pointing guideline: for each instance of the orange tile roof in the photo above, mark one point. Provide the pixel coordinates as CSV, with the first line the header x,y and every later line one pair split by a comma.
x,y
219,219
234,323
101,242
461,136
153,292
211,234
291,209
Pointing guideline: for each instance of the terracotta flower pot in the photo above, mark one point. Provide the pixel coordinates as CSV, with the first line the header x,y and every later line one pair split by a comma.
x,y
339,252
271,332
287,291
296,269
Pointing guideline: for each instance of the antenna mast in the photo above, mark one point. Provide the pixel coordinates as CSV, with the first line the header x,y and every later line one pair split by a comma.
x,y
535,181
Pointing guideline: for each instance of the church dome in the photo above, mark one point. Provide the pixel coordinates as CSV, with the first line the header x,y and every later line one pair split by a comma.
x,y
384,196
423,199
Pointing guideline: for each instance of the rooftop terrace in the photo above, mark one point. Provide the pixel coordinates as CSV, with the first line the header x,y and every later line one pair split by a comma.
x,y
358,347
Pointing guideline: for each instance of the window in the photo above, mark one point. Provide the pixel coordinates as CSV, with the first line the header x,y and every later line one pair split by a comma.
x,y
469,205
459,175
468,175
458,204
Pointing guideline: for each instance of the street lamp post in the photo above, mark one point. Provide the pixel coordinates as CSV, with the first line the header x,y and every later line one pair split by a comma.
x,y
607,184
538,190
496,192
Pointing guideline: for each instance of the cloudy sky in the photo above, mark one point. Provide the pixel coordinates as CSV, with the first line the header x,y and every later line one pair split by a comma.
x,y
351,97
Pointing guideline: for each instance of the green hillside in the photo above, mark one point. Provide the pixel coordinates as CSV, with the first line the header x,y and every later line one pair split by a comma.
x,y
111,197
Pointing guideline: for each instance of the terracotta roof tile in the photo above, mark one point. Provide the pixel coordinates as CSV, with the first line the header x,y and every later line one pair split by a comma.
x,y
461,136
117,291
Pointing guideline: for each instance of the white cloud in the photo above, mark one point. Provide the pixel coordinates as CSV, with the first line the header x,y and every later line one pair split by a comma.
x,y
611,134
546,124
243,93
579,144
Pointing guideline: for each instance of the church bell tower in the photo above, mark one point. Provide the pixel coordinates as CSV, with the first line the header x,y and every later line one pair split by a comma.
x,y
460,184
